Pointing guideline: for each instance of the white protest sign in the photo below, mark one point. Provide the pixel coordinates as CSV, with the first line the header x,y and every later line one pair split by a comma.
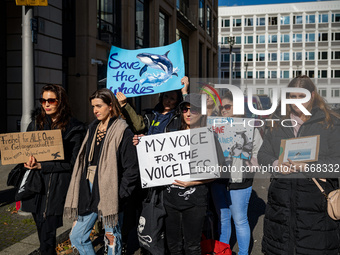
x,y
183,155
235,135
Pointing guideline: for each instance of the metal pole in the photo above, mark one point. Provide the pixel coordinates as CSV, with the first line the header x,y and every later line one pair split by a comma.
x,y
230,64
27,68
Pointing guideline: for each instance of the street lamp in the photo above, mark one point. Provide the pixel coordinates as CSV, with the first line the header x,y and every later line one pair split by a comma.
x,y
246,66
231,42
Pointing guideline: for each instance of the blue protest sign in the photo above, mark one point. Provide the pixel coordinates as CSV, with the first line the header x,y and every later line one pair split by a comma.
x,y
145,71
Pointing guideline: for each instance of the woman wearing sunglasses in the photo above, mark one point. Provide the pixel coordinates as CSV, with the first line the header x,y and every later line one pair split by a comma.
x,y
231,199
47,206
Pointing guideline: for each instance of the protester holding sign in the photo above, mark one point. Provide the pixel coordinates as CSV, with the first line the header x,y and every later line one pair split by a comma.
x,y
232,199
296,220
186,201
104,176
47,206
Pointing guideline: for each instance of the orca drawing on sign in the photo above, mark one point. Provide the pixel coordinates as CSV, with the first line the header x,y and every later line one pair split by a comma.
x,y
159,62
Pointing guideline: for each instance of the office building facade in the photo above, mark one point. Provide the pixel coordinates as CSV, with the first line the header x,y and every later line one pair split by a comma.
x,y
274,43
74,40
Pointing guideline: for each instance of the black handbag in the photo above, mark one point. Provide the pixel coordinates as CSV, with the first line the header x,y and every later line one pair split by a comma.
x,y
30,185
150,229
15,175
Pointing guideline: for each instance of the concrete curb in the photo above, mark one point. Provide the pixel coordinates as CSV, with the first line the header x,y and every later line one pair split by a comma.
x,y
30,245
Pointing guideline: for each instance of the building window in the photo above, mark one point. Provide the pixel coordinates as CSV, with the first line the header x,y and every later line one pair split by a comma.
x,y
335,92
272,21
259,91
297,73
310,37
272,74
225,23
297,55
323,37
163,29
208,20
272,56
285,20
335,74
336,17
248,74
237,75
108,21
310,55
335,54
201,13
236,57
284,56
297,38
272,38
284,74
261,21
225,75
297,19
260,57
323,55
248,22
323,18
142,24
335,36
310,19
248,39
311,73
322,92
285,38
260,75
248,57
238,39
237,22
260,39
322,74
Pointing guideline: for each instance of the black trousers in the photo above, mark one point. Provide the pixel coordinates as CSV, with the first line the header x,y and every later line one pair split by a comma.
x,y
184,226
47,231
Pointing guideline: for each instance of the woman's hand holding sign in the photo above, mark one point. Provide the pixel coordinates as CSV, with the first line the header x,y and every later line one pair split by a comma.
x,y
32,163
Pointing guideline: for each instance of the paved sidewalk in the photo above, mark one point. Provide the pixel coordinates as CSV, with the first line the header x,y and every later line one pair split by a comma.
x,y
30,244
17,241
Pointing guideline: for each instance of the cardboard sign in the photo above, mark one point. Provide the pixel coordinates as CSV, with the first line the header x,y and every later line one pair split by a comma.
x,y
301,149
184,155
235,135
145,71
44,145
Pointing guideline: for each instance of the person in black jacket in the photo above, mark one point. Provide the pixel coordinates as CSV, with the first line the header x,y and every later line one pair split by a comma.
x,y
296,219
104,176
47,206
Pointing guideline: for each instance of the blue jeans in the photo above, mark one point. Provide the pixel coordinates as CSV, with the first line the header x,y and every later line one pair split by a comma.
x,y
232,203
80,234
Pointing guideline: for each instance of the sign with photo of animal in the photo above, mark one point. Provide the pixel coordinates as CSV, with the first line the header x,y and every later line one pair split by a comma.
x,y
145,71
183,155
235,135
43,145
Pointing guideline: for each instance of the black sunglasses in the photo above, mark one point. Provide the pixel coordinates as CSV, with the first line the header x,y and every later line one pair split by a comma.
x,y
51,101
227,107
192,110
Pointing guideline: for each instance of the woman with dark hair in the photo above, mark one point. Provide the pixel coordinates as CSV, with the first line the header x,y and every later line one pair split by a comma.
x,y
231,199
47,206
104,176
296,219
